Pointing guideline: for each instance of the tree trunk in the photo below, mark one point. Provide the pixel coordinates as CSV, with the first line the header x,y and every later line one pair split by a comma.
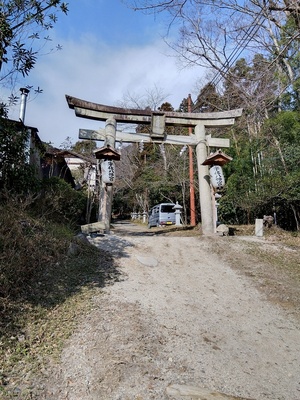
x,y
296,215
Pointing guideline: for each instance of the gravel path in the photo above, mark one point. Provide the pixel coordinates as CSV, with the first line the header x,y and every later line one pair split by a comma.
x,y
180,324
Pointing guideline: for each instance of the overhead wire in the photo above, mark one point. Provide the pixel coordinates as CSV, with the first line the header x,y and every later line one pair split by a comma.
x,y
247,37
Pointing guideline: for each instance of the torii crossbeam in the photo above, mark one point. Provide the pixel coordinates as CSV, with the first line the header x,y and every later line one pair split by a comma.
x,y
158,121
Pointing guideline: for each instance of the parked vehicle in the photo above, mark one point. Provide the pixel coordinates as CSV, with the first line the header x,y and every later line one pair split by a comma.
x,y
162,214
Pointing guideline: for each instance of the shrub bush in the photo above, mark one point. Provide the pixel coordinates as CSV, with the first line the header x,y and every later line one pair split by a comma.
x,y
58,202
26,246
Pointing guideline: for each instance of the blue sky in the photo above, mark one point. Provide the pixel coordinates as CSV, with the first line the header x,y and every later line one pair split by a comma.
x,y
108,51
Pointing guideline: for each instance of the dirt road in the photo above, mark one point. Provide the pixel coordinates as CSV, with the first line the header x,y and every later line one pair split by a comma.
x,y
180,324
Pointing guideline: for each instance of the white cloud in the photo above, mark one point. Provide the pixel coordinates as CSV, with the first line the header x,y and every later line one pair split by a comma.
x,y
93,71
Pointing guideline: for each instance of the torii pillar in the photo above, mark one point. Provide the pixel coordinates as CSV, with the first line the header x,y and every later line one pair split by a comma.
x,y
204,182
106,190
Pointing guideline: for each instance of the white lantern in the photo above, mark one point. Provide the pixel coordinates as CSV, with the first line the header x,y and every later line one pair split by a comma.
x,y
216,177
108,171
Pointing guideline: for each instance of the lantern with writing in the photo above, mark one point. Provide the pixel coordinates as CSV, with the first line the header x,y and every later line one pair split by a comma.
x,y
108,171
216,177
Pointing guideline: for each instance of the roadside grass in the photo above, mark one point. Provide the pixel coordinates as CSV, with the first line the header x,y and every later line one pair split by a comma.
x,y
283,253
44,291
280,266
271,262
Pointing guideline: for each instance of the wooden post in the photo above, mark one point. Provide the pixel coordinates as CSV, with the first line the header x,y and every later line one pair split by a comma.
x,y
106,192
213,205
204,182
105,206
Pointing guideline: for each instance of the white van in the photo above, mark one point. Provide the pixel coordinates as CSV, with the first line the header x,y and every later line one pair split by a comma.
x,y
162,214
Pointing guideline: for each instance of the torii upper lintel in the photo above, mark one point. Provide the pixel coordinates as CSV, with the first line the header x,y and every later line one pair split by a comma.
x,y
101,112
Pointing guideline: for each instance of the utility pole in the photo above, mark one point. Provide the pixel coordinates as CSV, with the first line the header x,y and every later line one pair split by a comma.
x,y
191,173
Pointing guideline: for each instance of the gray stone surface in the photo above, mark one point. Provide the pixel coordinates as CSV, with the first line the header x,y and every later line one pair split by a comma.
x,y
186,392
147,261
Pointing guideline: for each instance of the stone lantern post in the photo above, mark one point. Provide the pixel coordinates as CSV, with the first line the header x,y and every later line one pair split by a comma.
x,y
145,217
177,209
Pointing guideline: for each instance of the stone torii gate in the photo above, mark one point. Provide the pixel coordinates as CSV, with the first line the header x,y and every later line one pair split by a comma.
x,y
158,120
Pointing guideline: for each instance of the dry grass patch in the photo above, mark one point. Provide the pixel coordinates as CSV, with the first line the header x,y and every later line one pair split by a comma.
x,y
271,262
43,294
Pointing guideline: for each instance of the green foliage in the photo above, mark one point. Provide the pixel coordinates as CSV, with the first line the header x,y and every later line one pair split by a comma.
x,y
285,126
166,107
85,147
183,107
21,25
23,59
16,173
208,99
250,86
60,203
265,174
55,198
24,246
